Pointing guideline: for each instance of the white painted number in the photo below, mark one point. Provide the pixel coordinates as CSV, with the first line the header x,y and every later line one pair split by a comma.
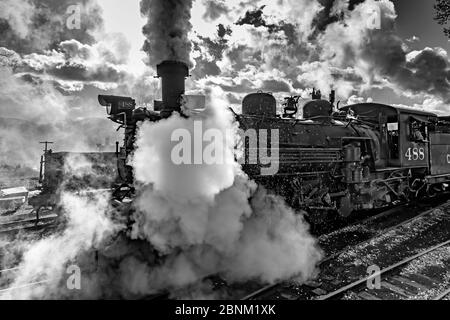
x,y
421,154
415,154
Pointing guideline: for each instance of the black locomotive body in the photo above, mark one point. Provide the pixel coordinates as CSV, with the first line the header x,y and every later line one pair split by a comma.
x,y
361,156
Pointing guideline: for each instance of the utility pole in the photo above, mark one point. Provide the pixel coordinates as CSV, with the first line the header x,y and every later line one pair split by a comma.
x,y
43,160
46,145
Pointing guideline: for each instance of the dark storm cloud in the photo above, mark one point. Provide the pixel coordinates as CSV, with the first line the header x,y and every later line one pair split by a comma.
x,y
326,16
114,50
242,86
215,48
205,68
223,31
79,72
33,80
47,25
38,35
44,67
242,56
376,56
45,113
426,72
233,99
256,18
275,86
430,71
353,3
323,18
72,61
214,9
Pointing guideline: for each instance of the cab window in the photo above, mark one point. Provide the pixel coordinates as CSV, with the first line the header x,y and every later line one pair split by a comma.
x,y
417,130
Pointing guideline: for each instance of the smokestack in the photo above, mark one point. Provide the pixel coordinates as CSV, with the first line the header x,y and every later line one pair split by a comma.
x,y
173,75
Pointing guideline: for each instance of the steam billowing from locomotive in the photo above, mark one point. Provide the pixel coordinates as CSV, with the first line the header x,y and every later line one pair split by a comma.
x,y
202,219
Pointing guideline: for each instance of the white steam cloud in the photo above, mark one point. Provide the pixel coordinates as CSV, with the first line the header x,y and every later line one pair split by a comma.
x,y
201,218
45,262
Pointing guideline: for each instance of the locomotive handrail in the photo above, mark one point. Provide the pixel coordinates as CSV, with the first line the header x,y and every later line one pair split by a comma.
x,y
355,138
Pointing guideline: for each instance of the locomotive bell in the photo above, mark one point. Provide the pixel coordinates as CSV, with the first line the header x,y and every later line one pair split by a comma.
x,y
260,104
317,109
173,75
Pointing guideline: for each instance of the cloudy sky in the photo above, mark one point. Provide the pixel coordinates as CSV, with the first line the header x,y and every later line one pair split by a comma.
x,y
385,51
415,18
414,24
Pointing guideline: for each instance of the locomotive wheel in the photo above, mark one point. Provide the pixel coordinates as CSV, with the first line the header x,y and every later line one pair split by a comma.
x,y
345,206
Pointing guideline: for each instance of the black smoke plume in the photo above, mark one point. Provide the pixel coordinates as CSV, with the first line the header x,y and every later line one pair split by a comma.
x,y
167,30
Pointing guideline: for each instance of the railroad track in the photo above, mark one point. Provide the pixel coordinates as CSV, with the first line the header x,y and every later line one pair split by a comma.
x,y
27,223
443,296
393,284
6,279
25,286
263,291
314,290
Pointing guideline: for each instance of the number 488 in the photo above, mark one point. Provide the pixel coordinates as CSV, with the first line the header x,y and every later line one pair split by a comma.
x,y
415,154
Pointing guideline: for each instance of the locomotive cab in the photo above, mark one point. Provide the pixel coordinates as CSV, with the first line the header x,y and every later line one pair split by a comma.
x,y
403,134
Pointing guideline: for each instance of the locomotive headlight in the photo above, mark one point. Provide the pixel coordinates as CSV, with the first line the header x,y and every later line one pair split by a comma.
x,y
109,109
116,105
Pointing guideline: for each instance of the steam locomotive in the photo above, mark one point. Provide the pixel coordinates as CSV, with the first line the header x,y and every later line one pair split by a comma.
x,y
343,160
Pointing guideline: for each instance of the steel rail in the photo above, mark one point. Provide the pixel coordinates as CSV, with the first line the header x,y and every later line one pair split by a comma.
x,y
369,219
23,286
10,269
24,225
394,266
442,295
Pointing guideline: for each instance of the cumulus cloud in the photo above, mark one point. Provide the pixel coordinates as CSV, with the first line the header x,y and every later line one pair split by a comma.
x,y
32,110
214,9
43,24
50,77
381,53
73,62
284,47
18,15
317,43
